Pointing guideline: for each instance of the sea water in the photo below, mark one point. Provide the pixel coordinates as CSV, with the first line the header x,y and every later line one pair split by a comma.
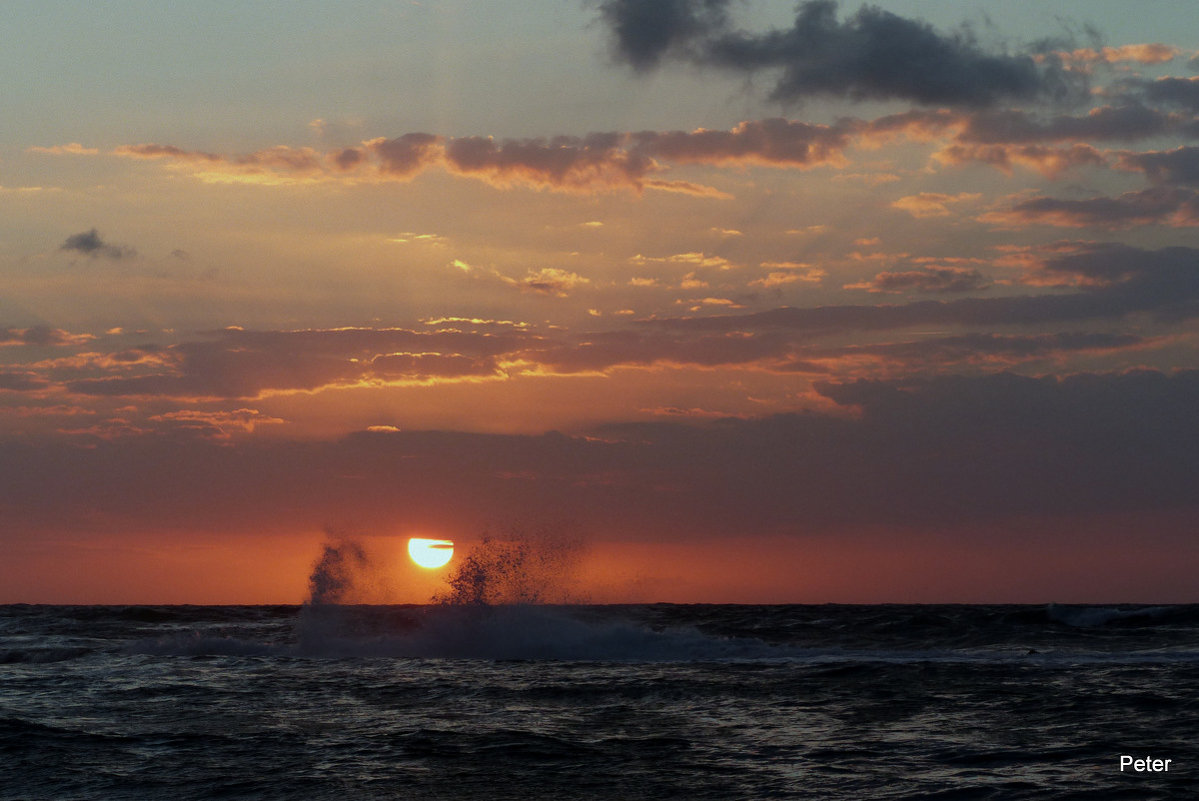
x,y
442,701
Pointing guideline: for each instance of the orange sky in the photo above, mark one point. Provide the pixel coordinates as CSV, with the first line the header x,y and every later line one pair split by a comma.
x,y
758,322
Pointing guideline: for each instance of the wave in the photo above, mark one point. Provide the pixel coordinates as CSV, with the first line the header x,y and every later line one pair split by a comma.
x,y
196,644
591,634
1098,616
521,632
499,633
41,656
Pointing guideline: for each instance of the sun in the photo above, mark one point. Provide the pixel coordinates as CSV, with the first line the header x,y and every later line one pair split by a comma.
x,y
430,553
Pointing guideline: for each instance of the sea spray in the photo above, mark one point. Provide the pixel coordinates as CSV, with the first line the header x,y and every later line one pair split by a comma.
x,y
333,577
509,597
521,567
344,577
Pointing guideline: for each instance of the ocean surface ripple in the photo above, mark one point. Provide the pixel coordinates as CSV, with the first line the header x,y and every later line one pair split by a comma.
x,y
597,702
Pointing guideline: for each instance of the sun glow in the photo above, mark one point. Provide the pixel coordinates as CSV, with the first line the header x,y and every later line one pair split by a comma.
x,y
430,553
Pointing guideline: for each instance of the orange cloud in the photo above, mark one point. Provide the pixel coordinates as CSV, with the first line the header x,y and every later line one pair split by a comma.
x,y
788,272
70,149
1163,205
928,279
546,281
595,162
931,204
1149,53
217,424
41,336
1049,161
771,142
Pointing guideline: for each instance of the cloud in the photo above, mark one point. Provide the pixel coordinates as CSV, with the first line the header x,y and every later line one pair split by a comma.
x,y
788,272
1178,166
1149,53
429,366
773,142
1049,161
604,350
595,162
917,125
562,163
693,258
872,55
546,281
552,281
1107,123
1123,280
400,157
1156,206
1182,92
931,204
216,424
942,451
22,381
641,160
71,149
686,188
980,349
646,30
89,243
411,237
41,335
929,279
276,160
237,363
156,151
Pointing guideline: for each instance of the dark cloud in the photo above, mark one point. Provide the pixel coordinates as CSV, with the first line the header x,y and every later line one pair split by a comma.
x,y
157,151
1048,160
871,55
1178,166
935,451
1121,123
41,335
928,279
91,244
940,351
596,162
1162,205
646,30
604,350
773,142
1098,282
21,381
1182,92
426,366
242,364
561,162
403,156
1165,281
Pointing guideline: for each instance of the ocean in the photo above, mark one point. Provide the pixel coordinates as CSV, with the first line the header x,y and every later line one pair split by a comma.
x,y
598,702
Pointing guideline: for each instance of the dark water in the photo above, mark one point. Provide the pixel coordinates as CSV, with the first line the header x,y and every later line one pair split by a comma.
x,y
604,702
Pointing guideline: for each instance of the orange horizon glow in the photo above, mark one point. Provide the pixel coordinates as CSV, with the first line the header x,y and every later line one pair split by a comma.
x,y
861,568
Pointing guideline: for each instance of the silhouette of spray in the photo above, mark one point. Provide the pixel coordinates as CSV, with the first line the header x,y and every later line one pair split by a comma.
x,y
344,581
519,568
333,576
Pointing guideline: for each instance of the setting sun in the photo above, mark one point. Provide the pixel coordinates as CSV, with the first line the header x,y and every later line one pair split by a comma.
x,y
430,553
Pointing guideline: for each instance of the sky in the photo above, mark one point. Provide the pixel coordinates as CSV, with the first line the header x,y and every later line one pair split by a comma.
x,y
745,301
